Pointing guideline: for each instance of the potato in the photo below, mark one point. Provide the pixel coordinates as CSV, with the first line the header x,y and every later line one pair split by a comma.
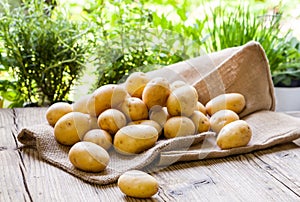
x,y
134,139
201,108
56,111
156,92
221,118
159,115
235,134
134,109
232,101
106,97
71,128
138,184
200,121
150,123
182,101
135,84
179,126
177,84
93,122
111,120
89,157
99,137
81,104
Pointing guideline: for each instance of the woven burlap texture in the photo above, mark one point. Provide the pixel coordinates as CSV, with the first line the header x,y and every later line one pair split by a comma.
x,y
241,69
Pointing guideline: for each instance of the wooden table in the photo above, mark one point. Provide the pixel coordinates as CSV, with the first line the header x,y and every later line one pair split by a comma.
x,y
269,175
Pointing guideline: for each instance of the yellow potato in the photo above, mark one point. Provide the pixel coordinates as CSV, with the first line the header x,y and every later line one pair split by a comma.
x,y
177,84
106,97
150,123
134,139
135,84
159,115
56,111
200,121
182,101
71,128
201,108
89,157
81,104
138,184
134,109
156,92
221,118
99,137
232,101
111,120
179,126
235,134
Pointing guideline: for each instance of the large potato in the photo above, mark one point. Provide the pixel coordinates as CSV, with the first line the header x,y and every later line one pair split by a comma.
x,y
179,126
111,120
134,139
71,128
235,134
232,101
106,97
150,123
138,184
89,157
200,121
56,111
159,115
221,118
99,137
182,101
156,92
135,84
134,109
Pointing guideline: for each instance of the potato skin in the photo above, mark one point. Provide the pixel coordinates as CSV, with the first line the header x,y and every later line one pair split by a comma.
x,y
88,156
56,111
134,139
134,109
235,134
135,84
200,121
138,184
201,108
111,120
179,126
221,118
159,115
99,137
232,101
81,104
150,123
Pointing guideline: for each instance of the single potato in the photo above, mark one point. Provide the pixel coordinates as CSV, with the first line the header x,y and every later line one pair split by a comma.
x,y
235,134
150,123
111,120
134,139
201,108
71,128
233,101
135,84
56,111
156,92
106,97
159,115
182,101
81,104
138,184
179,126
89,157
99,137
134,109
200,121
221,118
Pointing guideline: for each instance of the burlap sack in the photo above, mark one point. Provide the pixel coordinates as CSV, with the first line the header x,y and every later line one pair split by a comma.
x,y
242,69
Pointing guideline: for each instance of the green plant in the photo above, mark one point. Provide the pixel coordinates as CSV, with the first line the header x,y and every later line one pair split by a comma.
x,y
42,51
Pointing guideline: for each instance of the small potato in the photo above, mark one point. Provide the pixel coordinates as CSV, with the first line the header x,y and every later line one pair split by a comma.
x,y
221,118
81,104
71,128
156,92
179,126
111,120
235,134
182,101
201,108
176,84
99,137
138,184
150,123
232,101
56,111
134,139
135,84
89,157
134,109
159,115
200,121
106,97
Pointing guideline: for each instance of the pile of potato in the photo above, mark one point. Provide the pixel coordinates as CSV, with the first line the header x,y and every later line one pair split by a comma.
x,y
132,116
